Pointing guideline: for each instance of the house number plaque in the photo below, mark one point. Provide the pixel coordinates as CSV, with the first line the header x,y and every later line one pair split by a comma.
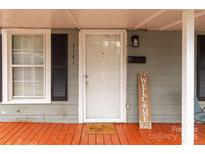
x,y
144,103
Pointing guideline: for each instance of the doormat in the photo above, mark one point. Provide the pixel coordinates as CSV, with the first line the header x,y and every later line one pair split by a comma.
x,y
101,128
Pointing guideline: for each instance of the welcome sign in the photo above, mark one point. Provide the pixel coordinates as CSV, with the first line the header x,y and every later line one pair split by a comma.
x,y
144,103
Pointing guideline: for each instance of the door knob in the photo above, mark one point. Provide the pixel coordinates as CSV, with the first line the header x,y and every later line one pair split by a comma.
x,y
86,77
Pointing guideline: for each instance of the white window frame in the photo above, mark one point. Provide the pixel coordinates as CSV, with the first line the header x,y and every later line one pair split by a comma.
x,y
6,66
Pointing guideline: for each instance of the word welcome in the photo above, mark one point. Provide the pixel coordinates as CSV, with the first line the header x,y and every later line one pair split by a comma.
x,y
144,101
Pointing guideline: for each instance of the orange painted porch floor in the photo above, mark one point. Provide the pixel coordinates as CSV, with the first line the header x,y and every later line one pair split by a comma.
x,y
59,133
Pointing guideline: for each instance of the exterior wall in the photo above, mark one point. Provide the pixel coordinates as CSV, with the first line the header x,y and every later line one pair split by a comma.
x,y
66,111
163,52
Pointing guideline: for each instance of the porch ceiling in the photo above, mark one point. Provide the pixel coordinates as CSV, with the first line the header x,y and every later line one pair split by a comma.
x,y
85,19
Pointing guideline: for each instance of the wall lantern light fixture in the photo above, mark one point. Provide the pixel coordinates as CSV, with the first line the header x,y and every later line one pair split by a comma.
x,y
135,40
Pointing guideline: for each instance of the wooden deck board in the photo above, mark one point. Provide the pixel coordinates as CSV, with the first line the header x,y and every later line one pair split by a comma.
x,y
200,134
164,139
107,139
34,132
99,139
4,126
84,137
38,138
77,134
115,139
91,139
46,136
174,129
134,132
55,133
8,129
18,134
12,132
132,140
61,137
69,137
22,133
121,135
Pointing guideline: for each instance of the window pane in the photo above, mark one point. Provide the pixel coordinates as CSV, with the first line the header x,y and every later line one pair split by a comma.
x,y
38,42
28,74
38,74
38,58
28,89
18,89
28,81
18,74
38,89
27,58
28,42
16,41
16,58
27,49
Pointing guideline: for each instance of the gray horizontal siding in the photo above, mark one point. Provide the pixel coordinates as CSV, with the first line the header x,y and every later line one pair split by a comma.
x,y
157,90
55,109
163,53
59,111
158,99
163,69
157,80
159,109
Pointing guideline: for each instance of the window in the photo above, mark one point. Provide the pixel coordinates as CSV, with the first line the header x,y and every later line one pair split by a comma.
x,y
27,66
28,62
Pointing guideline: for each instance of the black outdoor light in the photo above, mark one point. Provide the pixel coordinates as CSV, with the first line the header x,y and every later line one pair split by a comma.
x,y
135,40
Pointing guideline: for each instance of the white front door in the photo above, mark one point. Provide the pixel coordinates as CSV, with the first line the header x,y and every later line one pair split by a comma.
x,y
103,77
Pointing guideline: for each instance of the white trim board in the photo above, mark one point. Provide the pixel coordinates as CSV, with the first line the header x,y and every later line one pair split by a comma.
x,y
82,90
188,77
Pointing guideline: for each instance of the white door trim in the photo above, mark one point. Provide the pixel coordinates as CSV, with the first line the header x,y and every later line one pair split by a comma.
x,y
82,89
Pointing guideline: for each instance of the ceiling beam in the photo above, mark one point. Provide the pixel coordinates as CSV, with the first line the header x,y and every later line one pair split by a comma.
x,y
170,25
197,15
159,12
73,19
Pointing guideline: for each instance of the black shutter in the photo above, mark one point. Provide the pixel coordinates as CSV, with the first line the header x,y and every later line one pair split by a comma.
x,y
59,60
201,67
0,68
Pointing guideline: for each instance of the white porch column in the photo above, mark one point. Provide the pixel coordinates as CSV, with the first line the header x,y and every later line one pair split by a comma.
x,y
188,77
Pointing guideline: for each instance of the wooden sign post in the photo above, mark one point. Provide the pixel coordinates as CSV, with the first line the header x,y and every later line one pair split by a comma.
x,y
144,103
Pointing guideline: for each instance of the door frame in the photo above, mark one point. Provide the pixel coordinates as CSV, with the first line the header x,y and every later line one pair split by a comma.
x,y
82,69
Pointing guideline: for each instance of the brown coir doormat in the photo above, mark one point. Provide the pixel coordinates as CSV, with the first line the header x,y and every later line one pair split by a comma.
x,y
101,128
